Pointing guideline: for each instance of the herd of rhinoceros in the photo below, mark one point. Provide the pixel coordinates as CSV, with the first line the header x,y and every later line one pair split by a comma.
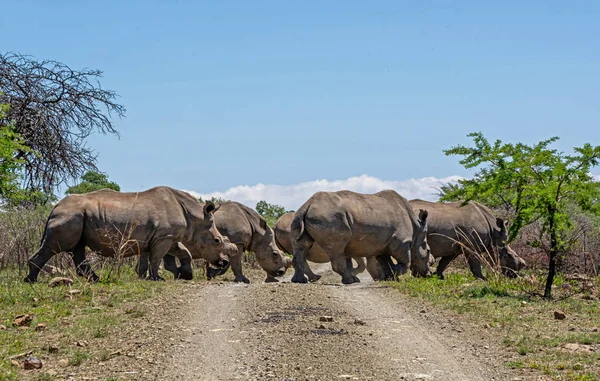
x,y
383,232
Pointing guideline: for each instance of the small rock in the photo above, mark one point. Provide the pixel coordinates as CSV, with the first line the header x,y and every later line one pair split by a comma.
x,y
53,349
572,346
595,329
32,362
326,318
23,320
321,326
81,343
273,290
422,311
359,322
2,327
571,328
63,362
40,327
15,363
60,281
74,292
558,315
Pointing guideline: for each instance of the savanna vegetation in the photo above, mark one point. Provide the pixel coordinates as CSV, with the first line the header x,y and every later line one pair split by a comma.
x,y
548,315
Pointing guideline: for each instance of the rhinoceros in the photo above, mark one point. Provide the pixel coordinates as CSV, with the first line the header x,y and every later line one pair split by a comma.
x,y
249,232
347,224
283,238
148,223
454,229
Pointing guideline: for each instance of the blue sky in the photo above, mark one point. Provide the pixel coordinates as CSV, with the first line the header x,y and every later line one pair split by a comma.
x,y
233,93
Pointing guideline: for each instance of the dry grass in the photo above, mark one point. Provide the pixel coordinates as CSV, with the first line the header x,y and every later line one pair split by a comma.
x,y
566,349
74,316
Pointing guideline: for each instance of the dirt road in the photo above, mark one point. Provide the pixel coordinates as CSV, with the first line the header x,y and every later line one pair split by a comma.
x,y
227,331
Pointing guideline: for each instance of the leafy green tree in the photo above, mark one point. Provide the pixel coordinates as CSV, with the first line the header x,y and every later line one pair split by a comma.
x,y
92,181
10,165
214,200
539,184
270,212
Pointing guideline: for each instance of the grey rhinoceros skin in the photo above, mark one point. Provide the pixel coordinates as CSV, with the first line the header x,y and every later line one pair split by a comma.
x,y
454,228
249,232
347,224
316,254
147,223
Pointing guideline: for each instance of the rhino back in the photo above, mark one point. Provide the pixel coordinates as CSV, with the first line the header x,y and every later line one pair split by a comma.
x,y
451,222
140,216
232,221
370,220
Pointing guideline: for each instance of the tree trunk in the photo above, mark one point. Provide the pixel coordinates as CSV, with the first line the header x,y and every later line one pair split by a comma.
x,y
552,258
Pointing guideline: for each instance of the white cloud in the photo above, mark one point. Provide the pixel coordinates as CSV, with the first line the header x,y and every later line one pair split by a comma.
x,y
293,196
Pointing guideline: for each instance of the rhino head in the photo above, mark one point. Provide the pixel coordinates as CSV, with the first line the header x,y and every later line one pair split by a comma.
x,y
216,248
420,252
510,262
270,257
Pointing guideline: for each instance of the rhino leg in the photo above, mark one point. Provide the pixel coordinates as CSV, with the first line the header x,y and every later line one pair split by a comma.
x,y
475,266
236,265
301,247
184,271
401,252
37,262
444,262
351,268
339,264
312,277
158,249
142,266
375,269
82,267
386,267
170,264
62,233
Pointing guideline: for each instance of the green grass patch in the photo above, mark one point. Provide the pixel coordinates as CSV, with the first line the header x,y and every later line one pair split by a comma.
x,y
512,311
94,311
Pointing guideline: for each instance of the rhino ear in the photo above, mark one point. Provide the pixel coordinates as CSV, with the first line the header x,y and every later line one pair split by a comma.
x,y
503,225
423,216
209,207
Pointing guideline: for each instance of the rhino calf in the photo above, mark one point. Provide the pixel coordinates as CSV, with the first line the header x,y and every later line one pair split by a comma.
x,y
146,223
351,225
316,254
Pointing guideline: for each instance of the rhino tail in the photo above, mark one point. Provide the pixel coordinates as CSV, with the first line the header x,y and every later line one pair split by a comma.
x,y
46,227
361,266
298,221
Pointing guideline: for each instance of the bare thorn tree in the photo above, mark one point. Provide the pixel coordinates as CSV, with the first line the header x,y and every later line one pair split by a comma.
x,y
55,108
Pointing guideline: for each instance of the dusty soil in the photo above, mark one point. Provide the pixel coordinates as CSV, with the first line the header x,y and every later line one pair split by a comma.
x,y
226,331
